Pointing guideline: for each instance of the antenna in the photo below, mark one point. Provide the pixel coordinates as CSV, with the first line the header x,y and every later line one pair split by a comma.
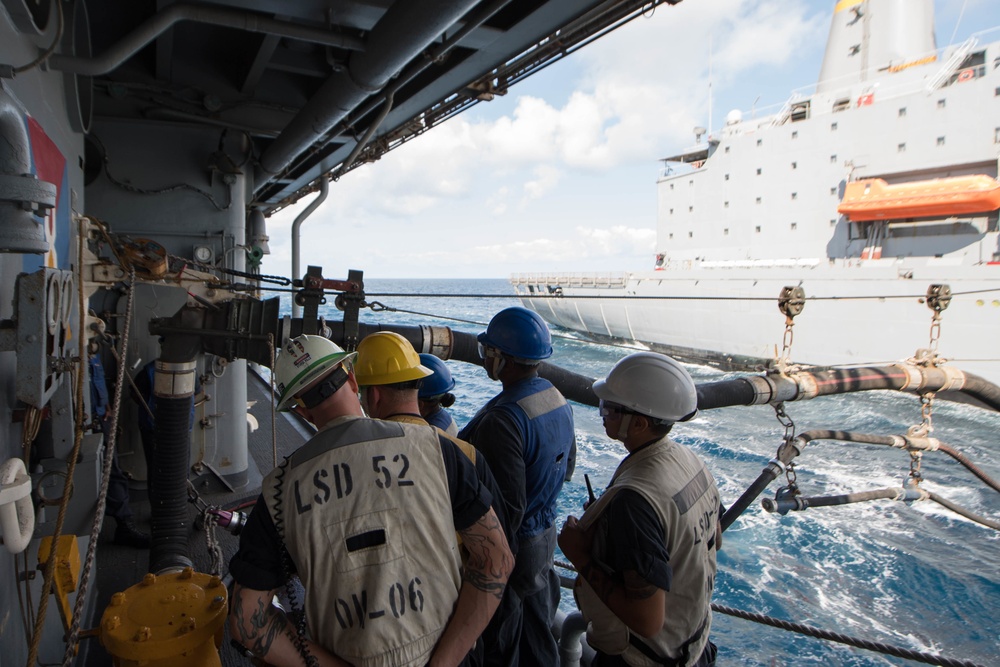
x,y
710,83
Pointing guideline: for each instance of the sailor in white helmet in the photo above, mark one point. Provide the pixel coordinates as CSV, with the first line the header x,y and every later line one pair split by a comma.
x,y
645,550
365,513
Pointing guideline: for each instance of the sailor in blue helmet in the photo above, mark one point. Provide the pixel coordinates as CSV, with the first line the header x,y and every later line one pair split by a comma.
x,y
435,395
526,434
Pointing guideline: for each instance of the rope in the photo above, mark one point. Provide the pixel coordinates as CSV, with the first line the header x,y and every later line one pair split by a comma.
x,y
886,649
49,567
818,633
109,453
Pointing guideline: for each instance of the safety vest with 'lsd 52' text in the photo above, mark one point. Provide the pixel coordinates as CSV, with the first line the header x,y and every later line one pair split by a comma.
x,y
365,513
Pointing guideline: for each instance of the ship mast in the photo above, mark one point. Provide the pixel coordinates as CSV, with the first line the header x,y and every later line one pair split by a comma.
x,y
869,35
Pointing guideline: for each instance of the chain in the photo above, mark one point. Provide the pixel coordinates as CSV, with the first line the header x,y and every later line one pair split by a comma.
x,y
277,280
786,421
212,542
916,457
935,333
786,343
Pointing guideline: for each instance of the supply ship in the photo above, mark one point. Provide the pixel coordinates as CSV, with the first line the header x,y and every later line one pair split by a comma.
x,y
144,147
865,191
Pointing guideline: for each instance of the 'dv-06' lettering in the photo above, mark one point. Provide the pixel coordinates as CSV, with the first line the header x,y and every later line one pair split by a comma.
x,y
399,600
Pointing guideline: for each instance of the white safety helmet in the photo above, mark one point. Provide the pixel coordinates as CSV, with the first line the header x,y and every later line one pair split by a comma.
x,y
651,384
302,363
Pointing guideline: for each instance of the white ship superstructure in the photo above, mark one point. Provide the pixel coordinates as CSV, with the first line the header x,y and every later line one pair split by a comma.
x,y
865,190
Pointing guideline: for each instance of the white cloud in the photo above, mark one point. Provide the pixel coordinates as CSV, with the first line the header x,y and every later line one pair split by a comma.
x,y
485,194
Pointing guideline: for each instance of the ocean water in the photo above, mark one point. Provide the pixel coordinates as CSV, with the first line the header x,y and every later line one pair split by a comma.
x,y
915,575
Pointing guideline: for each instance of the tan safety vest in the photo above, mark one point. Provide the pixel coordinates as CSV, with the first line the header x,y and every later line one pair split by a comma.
x,y
365,513
465,447
676,483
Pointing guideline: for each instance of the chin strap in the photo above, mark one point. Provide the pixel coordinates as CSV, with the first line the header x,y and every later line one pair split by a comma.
x,y
626,421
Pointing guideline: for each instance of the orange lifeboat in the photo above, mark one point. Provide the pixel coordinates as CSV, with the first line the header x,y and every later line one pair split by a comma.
x,y
874,199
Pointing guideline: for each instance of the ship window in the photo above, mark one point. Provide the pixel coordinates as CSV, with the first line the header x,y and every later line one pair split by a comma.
x,y
690,235
727,147
833,127
795,195
727,177
725,232
833,222
725,205
833,190
901,148
996,92
941,103
940,141
757,229
671,186
833,159
758,171
795,165
690,209
800,111
794,226
996,136
795,134
671,211
670,236
758,200
691,182
760,142
902,112
841,104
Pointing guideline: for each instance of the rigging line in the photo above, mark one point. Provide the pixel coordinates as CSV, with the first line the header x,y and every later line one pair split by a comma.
x,y
819,633
886,649
102,497
575,339
677,297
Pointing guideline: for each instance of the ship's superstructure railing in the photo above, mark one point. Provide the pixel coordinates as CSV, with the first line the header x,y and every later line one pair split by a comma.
x,y
551,281
951,64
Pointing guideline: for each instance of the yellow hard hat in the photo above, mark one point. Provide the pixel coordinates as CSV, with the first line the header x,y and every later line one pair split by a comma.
x,y
387,358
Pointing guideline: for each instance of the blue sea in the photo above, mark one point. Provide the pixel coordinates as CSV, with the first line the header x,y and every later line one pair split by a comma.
x,y
915,575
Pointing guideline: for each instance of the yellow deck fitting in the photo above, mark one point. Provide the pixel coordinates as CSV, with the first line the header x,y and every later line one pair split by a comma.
x,y
165,620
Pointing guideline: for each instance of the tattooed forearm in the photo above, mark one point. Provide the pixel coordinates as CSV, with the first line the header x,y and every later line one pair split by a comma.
x,y
490,561
485,583
258,623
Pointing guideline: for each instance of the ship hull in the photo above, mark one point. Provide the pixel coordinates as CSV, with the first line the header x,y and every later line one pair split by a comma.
x,y
870,312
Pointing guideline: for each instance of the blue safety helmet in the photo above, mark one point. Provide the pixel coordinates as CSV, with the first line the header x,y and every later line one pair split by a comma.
x,y
439,383
519,333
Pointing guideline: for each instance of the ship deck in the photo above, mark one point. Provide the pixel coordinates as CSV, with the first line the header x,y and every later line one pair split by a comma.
x,y
118,567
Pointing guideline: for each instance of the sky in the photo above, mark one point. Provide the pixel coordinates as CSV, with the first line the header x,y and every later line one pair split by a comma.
x,y
560,174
